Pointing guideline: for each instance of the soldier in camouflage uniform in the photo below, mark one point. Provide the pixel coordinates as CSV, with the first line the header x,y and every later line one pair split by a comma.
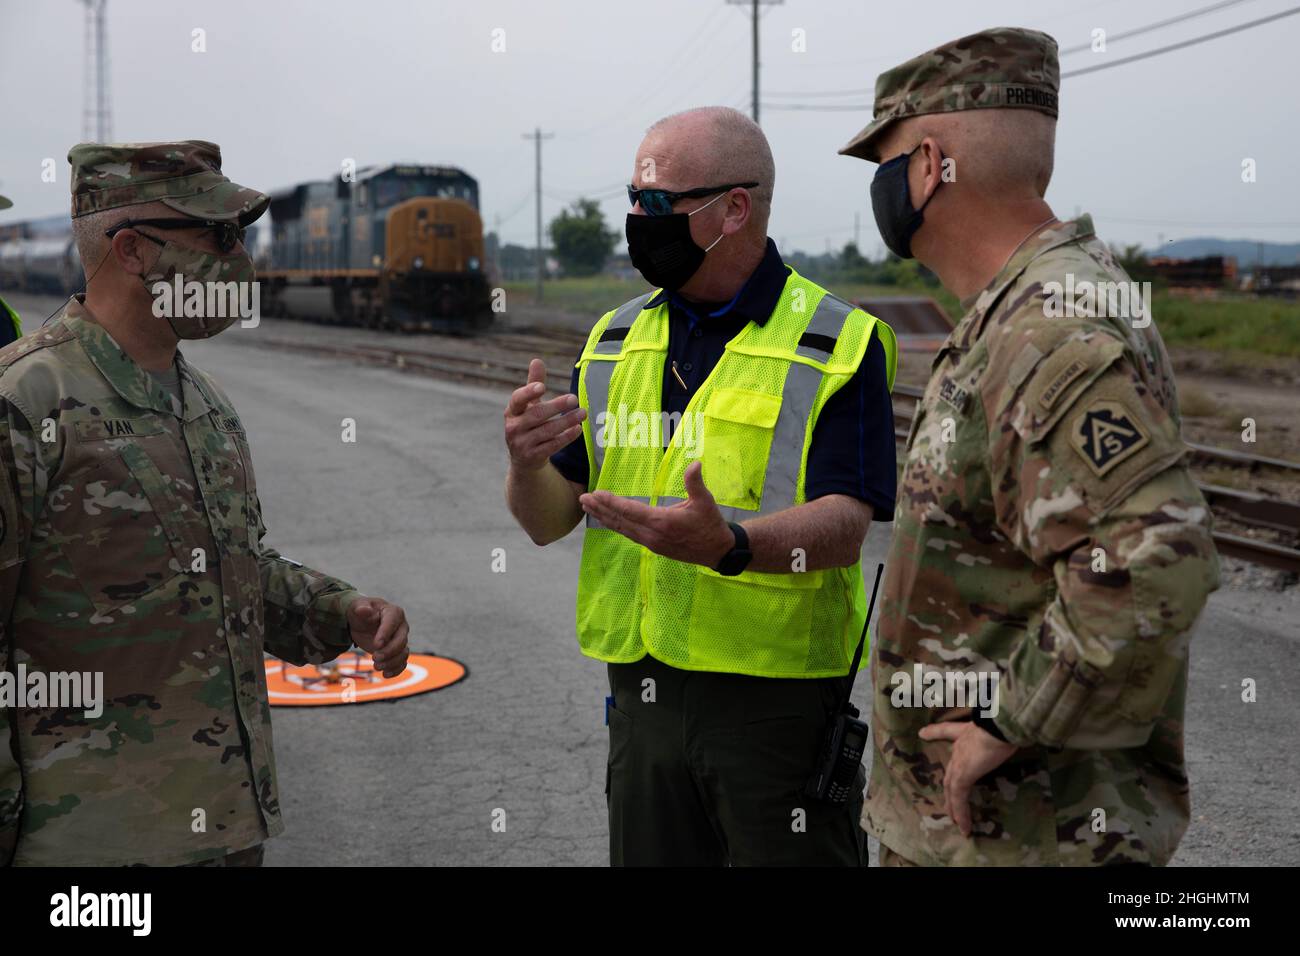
x,y
130,545
1047,530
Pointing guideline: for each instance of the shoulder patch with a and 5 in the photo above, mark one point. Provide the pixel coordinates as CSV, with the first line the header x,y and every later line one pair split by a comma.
x,y
1105,434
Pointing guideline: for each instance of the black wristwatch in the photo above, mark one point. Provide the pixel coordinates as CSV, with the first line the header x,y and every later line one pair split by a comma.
x,y
738,558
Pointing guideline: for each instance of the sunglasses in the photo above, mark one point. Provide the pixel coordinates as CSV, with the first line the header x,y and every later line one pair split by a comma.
x,y
227,233
659,202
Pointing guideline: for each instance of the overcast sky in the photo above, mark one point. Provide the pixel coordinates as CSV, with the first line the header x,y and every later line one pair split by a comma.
x,y
1152,149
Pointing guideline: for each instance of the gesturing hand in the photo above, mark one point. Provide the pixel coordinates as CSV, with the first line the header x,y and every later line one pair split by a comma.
x,y
535,430
692,530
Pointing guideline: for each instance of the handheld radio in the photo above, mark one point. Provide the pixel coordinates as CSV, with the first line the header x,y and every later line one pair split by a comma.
x,y
846,735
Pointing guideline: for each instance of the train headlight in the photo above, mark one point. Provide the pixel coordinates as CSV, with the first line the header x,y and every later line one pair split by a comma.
x,y
417,262
473,263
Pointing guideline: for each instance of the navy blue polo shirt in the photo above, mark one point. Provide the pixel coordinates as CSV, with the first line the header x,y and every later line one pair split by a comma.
x,y
853,447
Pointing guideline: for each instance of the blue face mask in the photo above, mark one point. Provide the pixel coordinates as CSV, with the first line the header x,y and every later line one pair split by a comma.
x,y
891,202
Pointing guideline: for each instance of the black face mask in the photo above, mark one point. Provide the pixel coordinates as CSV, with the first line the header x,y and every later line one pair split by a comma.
x,y
891,201
661,247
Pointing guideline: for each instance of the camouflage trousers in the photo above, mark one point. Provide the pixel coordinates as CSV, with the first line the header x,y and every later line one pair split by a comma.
x,y
889,858
251,857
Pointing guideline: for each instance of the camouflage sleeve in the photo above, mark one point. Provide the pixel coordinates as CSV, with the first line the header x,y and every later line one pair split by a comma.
x,y
22,483
1089,481
306,611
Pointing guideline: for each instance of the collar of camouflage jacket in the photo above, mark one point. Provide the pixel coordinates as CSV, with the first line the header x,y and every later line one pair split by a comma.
x,y
978,305
128,379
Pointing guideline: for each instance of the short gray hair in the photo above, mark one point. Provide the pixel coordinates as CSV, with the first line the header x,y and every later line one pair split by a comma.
x,y
1007,152
88,231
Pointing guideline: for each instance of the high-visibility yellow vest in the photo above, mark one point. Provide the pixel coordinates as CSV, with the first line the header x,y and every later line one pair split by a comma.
x,y
751,422
8,313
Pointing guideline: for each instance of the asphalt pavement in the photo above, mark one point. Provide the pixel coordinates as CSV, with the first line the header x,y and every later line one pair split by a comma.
x,y
413,511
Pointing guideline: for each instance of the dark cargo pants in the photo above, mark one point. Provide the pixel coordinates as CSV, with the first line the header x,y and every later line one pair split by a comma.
x,y
708,769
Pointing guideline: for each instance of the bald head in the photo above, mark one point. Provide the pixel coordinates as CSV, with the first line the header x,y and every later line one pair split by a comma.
x,y
710,146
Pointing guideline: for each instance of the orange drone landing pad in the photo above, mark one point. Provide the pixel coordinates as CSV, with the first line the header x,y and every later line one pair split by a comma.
x,y
354,681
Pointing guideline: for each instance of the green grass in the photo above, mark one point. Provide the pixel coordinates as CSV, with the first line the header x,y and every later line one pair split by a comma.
x,y
590,295
1236,324
1232,324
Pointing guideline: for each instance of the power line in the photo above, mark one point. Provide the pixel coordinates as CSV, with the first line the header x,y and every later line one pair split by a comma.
x,y
831,108
692,85
1185,43
897,57
1190,15
593,196
856,91
586,192
518,208
860,107
1137,31
680,58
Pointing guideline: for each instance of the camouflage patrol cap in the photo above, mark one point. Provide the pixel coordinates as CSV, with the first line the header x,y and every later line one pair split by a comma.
x,y
186,176
1006,67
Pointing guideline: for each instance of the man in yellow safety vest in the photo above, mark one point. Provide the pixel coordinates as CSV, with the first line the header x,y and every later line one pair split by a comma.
x,y
728,439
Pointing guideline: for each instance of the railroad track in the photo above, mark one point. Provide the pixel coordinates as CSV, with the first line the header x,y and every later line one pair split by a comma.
x,y
1226,456
1276,517
502,359
463,362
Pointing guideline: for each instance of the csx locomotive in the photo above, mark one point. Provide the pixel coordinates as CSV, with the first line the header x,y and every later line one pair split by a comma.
x,y
398,246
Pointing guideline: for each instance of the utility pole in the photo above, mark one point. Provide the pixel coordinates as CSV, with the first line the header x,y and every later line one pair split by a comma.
x,y
96,115
537,136
753,13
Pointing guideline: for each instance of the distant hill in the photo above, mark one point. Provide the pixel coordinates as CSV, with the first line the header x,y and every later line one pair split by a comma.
x,y
1246,253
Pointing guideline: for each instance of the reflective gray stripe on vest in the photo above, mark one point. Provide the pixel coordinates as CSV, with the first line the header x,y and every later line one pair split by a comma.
x,y
598,374
797,397
611,340
818,340
592,522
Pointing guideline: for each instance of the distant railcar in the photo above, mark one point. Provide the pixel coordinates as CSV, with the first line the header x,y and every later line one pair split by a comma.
x,y
52,265
400,246
1207,272
38,255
